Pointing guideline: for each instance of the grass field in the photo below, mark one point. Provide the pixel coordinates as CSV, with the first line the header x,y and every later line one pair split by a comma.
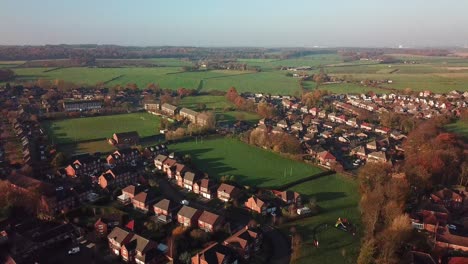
x,y
250,165
439,74
90,128
337,196
217,104
460,127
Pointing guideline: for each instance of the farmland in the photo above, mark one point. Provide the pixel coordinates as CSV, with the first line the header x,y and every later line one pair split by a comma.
x,y
224,156
439,74
337,196
94,128
460,127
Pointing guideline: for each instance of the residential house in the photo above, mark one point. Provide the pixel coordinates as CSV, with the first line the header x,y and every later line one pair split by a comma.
x,y
203,119
188,216
177,171
377,156
367,126
282,124
227,192
81,105
128,193
169,109
117,238
382,130
189,180
277,130
449,198
205,188
143,200
159,161
152,107
245,242
126,138
325,158
117,176
372,145
297,126
257,205
85,166
289,197
165,210
209,221
189,114
215,254
132,248
104,224
168,165
360,152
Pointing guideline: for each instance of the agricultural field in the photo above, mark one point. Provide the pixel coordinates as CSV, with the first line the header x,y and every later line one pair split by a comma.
x,y
337,196
224,156
96,128
217,104
439,74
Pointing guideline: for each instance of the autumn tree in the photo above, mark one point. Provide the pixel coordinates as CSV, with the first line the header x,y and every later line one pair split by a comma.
x,y
266,111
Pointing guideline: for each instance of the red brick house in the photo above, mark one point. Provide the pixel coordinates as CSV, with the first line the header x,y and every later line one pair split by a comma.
x,y
84,166
215,254
167,165
126,138
159,161
188,180
205,188
209,221
326,159
227,192
123,156
165,210
360,152
118,176
128,193
188,216
132,248
143,200
245,242
104,224
178,171
448,198
257,205
289,197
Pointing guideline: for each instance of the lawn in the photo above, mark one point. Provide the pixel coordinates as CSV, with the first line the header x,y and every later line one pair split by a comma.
x,y
337,196
250,165
91,128
460,127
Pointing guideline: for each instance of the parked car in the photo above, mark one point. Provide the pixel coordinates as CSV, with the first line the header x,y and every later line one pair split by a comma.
x,y
73,250
452,227
184,202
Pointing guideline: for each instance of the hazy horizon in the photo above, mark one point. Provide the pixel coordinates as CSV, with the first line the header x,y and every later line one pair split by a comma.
x,y
361,23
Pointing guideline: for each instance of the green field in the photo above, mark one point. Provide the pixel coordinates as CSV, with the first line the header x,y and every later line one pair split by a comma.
x,y
250,165
439,74
460,127
337,196
90,128
217,104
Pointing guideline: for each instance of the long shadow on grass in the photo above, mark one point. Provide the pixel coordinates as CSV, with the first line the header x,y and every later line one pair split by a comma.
x,y
327,196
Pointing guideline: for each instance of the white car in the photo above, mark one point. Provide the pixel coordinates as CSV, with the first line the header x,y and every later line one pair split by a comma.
x,y
73,250
452,227
184,202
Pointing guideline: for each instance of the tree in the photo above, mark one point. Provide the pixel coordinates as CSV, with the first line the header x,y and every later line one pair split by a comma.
x,y
366,254
59,160
185,257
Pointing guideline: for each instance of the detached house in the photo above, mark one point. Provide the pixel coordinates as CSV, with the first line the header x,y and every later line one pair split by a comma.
x,y
377,156
245,242
143,201
165,210
325,158
209,221
448,198
159,161
360,152
205,188
227,192
257,205
188,216
132,248
104,224
126,138
215,254
128,193
289,197
188,181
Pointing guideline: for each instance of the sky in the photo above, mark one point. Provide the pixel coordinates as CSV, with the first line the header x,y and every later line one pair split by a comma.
x,y
256,23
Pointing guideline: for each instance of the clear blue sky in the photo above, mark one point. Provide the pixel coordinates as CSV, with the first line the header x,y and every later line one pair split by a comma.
x,y
267,23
